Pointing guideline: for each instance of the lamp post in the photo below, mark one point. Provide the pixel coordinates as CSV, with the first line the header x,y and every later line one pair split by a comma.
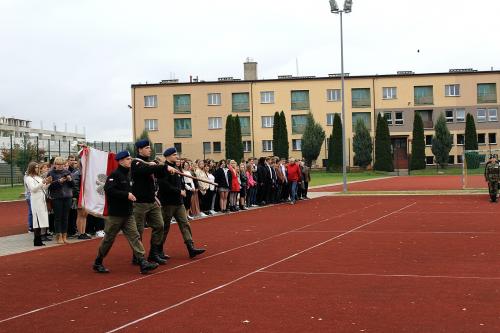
x,y
347,9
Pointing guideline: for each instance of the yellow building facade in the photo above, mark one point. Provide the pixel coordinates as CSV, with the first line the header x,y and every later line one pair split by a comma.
x,y
192,115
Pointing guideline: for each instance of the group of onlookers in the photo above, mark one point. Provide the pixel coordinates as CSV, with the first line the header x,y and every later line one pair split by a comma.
x,y
51,191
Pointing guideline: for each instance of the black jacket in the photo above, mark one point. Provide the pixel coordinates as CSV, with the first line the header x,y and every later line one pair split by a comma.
x,y
220,178
58,190
117,188
143,177
170,188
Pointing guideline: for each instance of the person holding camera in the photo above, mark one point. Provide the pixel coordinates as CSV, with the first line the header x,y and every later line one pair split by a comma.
x,y
61,192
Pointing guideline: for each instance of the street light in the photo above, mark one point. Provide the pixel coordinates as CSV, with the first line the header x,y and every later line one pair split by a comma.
x,y
347,9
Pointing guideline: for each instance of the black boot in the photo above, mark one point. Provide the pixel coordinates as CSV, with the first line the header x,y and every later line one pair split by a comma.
x,y
147,266
193,252
154,257
135,261
38,241
162,254
98,266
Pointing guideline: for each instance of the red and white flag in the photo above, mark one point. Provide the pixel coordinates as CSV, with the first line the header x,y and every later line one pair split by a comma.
x,y
96,166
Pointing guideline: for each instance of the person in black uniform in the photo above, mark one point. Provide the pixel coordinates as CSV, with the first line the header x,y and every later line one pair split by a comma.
x,y
144,174
120,199
171,198
492,176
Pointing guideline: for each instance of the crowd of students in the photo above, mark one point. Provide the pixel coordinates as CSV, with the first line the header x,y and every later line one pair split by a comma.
x,y
52,190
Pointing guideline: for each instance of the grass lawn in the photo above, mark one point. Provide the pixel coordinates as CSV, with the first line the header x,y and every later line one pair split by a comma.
x,y
324,178
8,193
432,171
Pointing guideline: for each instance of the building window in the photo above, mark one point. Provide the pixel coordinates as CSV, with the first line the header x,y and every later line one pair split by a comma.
x,y
486,93
329,119
481,115
449,116
182,128
389,93
267,145
481,138
267,97
241,102
333,95
362,116
460,139
150,101
299,124
452,90
423,95
426,116
460,115
214,122
460,159
217,146
399,118
451,159
296,144
429,160
151,124
428,140
492,115
267,121
247,146
492,138
207,147
388,117
361,97
214,99
245,125
182,103
300,100
178,147
158,148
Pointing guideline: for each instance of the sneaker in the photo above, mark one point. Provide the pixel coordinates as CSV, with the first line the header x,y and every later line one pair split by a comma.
x,y
213,212
189,217
203,214
100,233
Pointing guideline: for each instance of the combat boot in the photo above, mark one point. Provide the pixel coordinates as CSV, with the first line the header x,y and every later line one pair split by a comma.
x,y
162,254
154,257
147,266
135,261
193,252
98,266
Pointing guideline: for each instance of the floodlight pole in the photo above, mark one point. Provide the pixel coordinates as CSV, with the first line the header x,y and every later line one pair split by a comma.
x,y
344,150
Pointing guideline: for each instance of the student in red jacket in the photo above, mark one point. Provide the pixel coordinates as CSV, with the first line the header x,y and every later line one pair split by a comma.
x,y
294,177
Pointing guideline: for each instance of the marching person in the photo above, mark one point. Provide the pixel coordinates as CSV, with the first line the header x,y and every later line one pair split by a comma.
x,y
120,204
492,176
171,197
144,174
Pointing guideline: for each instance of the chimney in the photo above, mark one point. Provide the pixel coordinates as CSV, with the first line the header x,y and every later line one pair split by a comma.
x,y
250,70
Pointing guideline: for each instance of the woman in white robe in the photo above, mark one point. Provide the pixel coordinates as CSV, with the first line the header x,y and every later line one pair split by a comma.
x,y
38,187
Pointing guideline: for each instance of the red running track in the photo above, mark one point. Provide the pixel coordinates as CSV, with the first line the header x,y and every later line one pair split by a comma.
x,y
334,264
408,183
13,218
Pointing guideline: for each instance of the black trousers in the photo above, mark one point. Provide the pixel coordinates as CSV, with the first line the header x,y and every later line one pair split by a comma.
x,y
61,214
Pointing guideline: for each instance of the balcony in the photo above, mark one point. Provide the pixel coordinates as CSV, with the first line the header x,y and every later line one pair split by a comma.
x,y
361,103
182,133
300,105
428,124
487,98
182,108
241,107
424,100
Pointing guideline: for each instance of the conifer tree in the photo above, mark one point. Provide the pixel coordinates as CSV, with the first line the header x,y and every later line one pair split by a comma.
x,y
277,138
229,136
470,133
418,144
335,145
441,142
383,156
362,145
312,140
238,142
285,145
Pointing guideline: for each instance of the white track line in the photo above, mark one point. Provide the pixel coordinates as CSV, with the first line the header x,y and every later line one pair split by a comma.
x,y
389,275
180,266
406,232
254,272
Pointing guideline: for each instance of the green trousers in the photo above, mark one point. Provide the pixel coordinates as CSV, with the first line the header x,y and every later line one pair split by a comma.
x,y
112,227
152,213
180,215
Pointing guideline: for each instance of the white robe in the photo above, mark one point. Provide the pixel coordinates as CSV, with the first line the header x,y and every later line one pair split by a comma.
x,y
38,202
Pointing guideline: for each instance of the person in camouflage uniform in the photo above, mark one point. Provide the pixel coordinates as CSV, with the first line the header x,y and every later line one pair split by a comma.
x,y
492,176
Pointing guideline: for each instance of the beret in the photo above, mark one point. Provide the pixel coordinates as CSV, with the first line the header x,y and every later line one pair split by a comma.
x,y
169,151
142,143
121,155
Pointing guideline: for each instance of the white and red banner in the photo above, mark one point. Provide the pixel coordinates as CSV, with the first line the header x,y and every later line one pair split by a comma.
x,y
96,166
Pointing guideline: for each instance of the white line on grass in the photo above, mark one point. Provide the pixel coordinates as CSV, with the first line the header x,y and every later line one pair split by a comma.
x,y
180,266
388,275
254,272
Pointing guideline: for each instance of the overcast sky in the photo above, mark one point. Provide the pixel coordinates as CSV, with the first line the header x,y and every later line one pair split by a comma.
x,y
73,61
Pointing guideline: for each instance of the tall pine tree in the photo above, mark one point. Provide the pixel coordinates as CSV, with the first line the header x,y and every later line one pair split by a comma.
x,y
277,138
335,145
312,140
229,137
362,145
418,144
285,145
441,142
238,142
470,133
383,156
142,136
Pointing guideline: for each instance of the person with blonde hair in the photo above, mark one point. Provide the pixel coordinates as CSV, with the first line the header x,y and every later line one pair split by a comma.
x,y
37,187
61,192
234,186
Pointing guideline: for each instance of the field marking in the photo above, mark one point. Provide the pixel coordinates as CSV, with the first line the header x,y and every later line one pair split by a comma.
x,y
388,275
181,265
406,232
254,272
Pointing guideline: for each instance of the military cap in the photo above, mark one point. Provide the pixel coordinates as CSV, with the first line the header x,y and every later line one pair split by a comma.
x,y
142,143
169,151
121,155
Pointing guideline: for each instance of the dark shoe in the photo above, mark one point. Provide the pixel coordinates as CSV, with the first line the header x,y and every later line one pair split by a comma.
x,y
147,266
38,241
243,208
193,252
154,257
84,236
98,266
135,261
46,238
